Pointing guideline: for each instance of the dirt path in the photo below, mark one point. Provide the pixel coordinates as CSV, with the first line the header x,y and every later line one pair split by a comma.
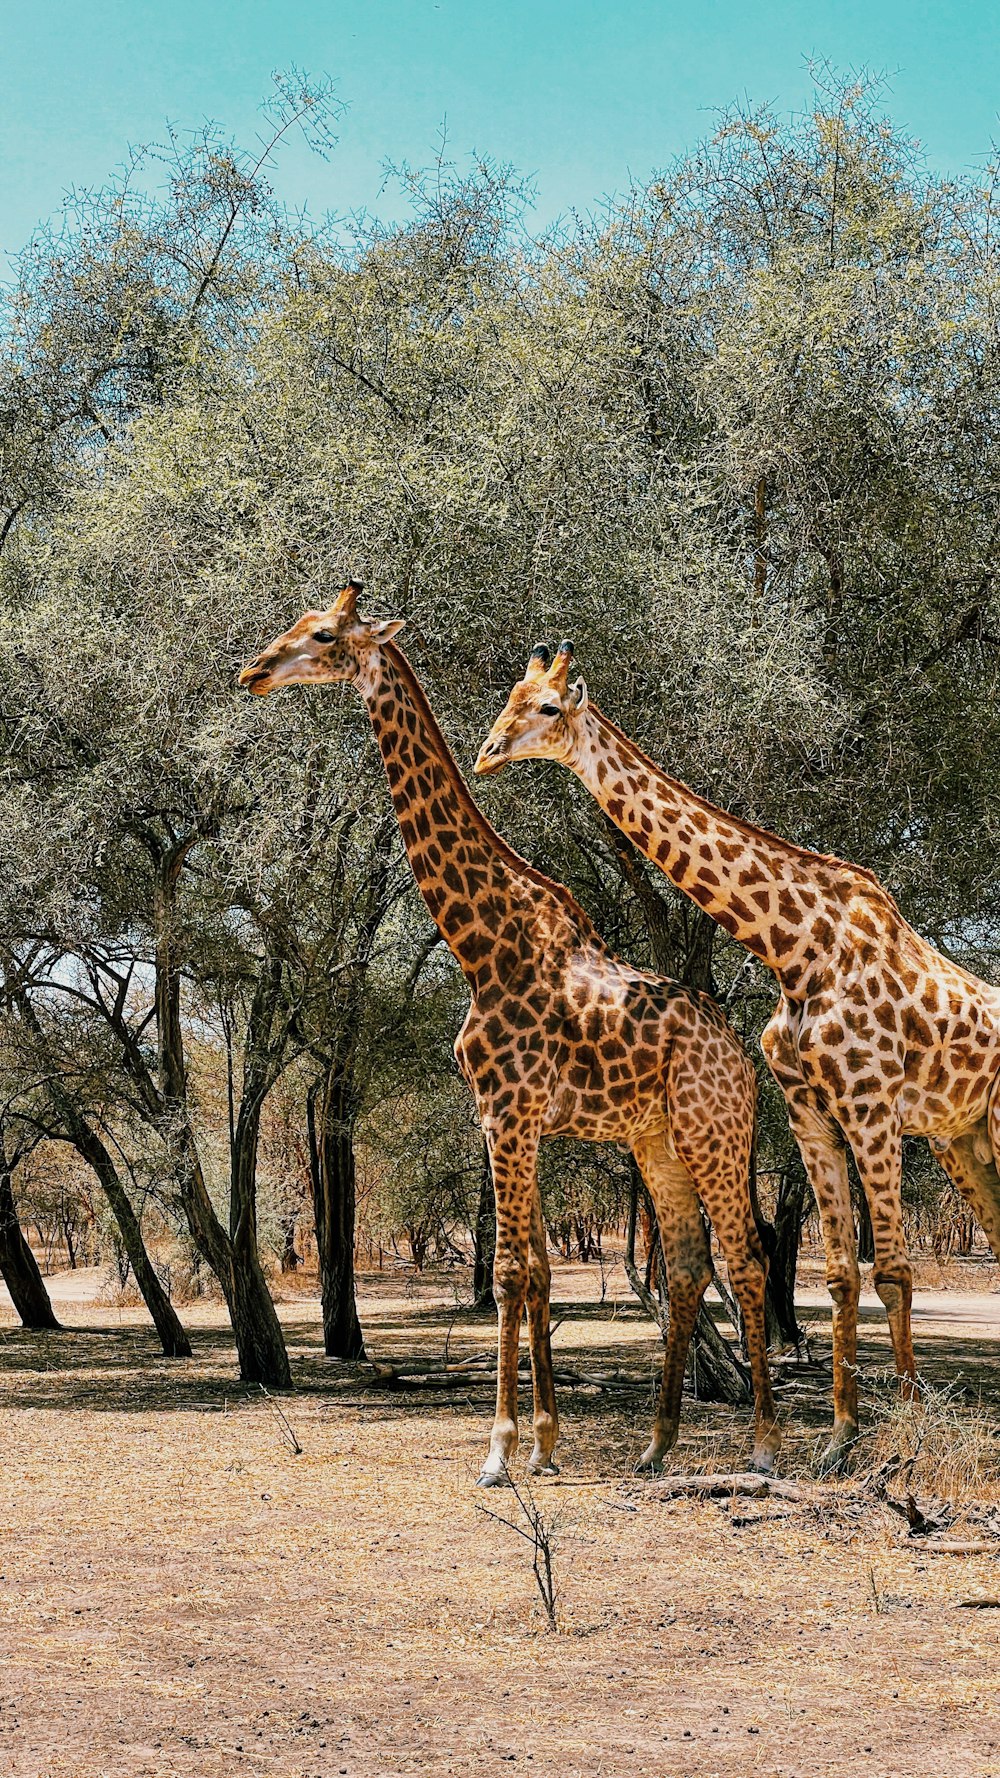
x,y
933,1310
181,1595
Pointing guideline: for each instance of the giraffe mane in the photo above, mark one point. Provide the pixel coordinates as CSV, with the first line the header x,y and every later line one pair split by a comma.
x,y
751,828
557,891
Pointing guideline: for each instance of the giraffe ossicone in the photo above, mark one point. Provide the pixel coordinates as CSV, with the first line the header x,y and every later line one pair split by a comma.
x,y
561,1038
876,1034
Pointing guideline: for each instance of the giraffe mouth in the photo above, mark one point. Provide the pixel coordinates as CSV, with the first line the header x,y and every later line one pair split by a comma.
x,y
487,768
255,678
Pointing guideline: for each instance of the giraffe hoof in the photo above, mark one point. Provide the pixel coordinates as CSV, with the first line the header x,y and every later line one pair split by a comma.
x,y
650,1463
833,1461
549,1468
493,1479
762,1463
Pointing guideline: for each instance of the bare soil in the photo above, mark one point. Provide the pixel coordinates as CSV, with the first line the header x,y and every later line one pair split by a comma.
x,y
181,1594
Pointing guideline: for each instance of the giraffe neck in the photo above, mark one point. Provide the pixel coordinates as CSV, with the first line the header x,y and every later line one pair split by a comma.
x,y
471,880
785,904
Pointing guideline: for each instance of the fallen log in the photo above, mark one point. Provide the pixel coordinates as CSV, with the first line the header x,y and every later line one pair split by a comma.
x,y
400,1376
716,1487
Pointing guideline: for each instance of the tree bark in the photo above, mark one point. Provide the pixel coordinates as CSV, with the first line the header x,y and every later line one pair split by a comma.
x,y
18,1267
790,1213
332,1112
484,1240
92,1149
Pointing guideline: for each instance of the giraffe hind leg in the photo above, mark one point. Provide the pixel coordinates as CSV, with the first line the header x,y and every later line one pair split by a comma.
x,y
821,1145
720,1173
689,1271
970,1162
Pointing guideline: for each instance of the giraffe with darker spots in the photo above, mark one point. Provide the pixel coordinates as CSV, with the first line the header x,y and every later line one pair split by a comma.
x,y
876,1034
561,1039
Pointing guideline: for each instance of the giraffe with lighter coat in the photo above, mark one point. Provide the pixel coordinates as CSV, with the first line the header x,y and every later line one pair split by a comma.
x,y
876,1035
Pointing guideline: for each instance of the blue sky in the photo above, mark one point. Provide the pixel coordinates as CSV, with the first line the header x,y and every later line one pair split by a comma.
x,y
579,95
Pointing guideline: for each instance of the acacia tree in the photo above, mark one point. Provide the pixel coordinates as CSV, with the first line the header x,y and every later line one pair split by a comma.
x,y
736,434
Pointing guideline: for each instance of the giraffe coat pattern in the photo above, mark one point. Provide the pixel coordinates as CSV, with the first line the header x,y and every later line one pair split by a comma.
x,y
876,1034
561,1038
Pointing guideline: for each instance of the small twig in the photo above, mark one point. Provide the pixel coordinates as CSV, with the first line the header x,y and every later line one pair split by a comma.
x,y
285,1428
954,1548
538,1533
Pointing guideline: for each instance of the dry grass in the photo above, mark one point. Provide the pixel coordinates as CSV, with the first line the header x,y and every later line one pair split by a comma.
x,y
185,1597
942,1445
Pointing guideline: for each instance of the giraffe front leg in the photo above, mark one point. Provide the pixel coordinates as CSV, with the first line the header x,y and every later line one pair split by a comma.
x,y
824,1156
546,1418
512,1161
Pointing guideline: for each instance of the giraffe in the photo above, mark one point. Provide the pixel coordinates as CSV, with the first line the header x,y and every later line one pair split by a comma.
x,y
561,1038
876,1034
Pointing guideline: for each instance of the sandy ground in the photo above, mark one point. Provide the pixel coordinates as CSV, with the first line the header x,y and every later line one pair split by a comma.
x,y
181,1594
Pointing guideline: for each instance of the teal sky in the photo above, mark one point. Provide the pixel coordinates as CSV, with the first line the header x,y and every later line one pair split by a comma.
x,y
578,95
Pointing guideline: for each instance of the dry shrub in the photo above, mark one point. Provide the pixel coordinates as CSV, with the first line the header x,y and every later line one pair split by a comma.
x,y
191,1281
113,1294
940,1445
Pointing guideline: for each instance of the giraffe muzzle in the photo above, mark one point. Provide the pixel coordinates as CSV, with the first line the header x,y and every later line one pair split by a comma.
x,y
254,678
492,758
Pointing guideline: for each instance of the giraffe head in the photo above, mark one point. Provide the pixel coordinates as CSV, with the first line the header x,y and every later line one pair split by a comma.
x,y
324,647
543,716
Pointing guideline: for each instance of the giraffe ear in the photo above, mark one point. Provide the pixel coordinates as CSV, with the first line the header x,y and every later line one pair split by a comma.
x,y
580,699
391,626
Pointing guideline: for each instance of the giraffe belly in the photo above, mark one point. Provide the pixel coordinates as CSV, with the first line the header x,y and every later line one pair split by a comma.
x,y
941,1119
591,1118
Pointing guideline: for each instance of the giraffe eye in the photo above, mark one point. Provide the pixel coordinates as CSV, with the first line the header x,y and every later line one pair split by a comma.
x,y
549,710
324,636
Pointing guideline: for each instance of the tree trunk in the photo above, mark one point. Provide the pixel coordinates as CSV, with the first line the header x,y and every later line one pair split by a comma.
x,y
331,1114
260,1344
18,1268
484,1240
165,1319
233,1256
290,1259
790,1214
866,1234
716,1373
90,1147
